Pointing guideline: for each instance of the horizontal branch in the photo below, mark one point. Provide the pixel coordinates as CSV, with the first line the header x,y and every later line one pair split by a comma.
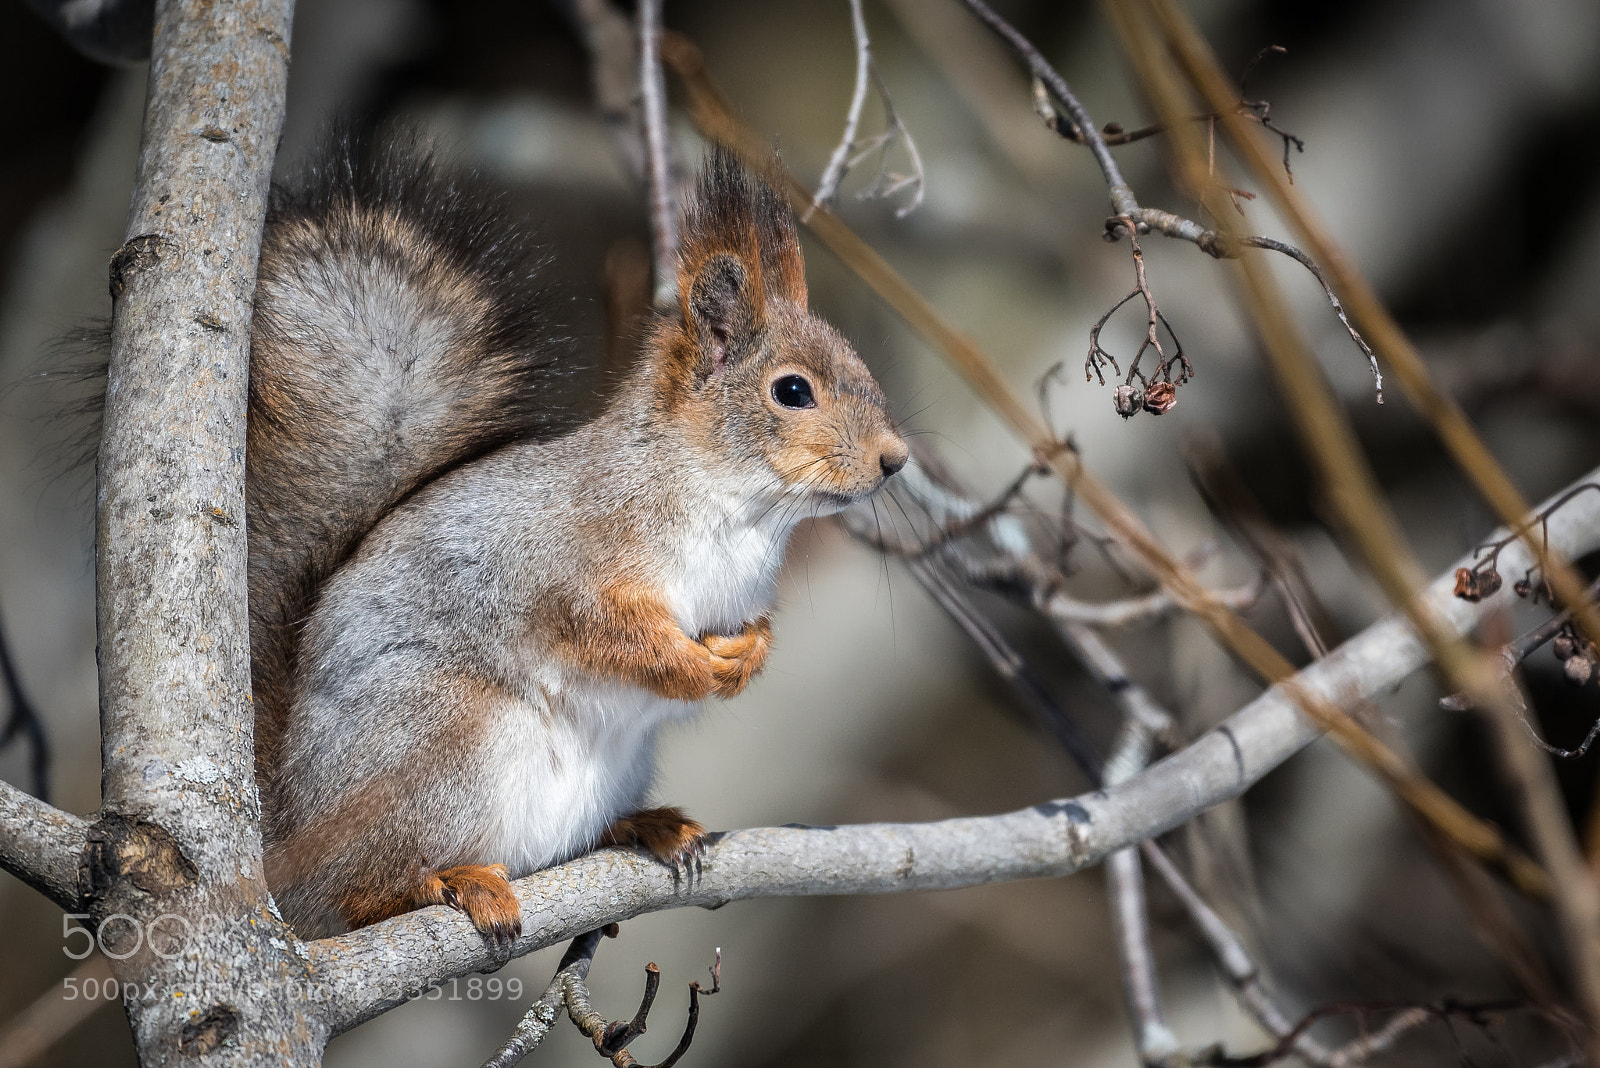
x,y
41,844
368,972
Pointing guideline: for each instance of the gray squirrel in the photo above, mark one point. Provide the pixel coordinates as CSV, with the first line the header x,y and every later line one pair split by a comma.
x,y
468,622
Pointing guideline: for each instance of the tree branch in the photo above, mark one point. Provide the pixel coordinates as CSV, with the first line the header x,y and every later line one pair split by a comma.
x,y
372,970
177,844
40,845
834,172
658,151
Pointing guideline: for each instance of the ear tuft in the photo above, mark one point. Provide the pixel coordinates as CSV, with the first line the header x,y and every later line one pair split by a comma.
x,y
736,213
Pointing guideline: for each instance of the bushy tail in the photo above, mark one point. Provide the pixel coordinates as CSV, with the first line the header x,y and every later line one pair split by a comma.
x,y
400,329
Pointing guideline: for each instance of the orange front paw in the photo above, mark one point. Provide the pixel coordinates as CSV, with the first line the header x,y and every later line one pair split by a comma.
x,y
736,660
665,833
482,891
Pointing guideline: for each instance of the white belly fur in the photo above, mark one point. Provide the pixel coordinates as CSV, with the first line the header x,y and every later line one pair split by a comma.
x,y
565,773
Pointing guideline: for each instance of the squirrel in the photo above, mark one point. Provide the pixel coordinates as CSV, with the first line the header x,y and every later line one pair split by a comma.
x,y
469,619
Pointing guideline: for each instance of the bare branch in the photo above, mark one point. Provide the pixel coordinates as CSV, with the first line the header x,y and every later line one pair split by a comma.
x,y
851,150
568,991
178,832
41,845
658,151
834,172
23,721
371,970
541,1015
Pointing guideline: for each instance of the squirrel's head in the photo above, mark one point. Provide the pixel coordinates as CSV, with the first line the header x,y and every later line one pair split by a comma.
x,y
749,372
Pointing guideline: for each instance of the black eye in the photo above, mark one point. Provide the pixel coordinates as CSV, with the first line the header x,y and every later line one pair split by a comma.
x,y
792,391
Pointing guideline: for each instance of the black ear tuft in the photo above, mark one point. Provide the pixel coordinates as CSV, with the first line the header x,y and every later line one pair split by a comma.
x,y
735,213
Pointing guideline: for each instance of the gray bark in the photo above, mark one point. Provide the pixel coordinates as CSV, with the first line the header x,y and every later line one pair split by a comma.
x,y
178,834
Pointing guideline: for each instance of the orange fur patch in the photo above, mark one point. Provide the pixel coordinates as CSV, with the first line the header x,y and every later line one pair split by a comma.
x,y
482,891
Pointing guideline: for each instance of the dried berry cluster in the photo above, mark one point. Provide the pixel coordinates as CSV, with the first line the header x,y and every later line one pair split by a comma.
x,y
1577,655
1475,583
1156,398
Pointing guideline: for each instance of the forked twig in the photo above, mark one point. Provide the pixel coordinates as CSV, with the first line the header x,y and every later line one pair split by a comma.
x,y
568,992
852,150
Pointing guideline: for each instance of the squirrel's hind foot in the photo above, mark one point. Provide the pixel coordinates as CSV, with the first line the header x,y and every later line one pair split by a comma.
x,y
482,891
665,833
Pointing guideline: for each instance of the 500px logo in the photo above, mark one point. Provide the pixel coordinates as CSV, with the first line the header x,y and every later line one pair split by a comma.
x,y
120,936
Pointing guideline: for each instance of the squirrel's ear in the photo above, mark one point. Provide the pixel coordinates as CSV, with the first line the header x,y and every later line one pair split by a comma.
x,y
723,310
738,249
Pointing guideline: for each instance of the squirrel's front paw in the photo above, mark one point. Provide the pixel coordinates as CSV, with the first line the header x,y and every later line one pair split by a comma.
x,y
736,660
482,891
665,833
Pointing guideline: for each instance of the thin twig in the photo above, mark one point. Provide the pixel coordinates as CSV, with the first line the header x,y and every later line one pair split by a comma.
x,y
1352,488
1333,298
834,172
541,1015
851,150
658,152
1195,57
1122,198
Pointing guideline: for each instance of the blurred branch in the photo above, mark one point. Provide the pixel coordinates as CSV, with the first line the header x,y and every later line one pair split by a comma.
x,y
1352,489
658,152
851,150
1230,500
839,162
712,114
1200,65
614,66
23,721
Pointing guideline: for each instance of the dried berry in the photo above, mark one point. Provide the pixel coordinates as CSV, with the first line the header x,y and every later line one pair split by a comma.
x,y
1488,583
1564,645
1128,400
1580,669
1522,587
1160,397
1467,584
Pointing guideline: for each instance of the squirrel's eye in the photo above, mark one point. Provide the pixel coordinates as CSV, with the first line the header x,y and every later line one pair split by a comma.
x,y
792,391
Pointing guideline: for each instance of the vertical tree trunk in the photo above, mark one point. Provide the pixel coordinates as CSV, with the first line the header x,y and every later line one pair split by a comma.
x,y
171,877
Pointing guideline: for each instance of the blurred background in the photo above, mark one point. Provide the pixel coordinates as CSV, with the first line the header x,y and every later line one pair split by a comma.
x,y
1453,147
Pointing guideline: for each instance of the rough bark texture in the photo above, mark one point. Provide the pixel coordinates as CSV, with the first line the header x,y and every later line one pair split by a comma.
x,y
40,845
178,836
370,971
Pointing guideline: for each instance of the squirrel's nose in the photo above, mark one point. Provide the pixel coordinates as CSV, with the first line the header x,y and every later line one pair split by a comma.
x,y
893,459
